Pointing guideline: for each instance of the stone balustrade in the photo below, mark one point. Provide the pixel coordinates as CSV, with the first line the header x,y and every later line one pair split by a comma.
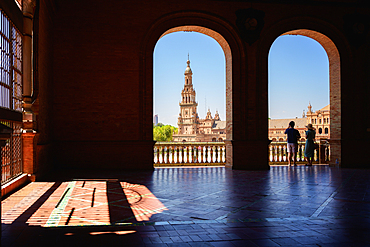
x,y
278,153
189,153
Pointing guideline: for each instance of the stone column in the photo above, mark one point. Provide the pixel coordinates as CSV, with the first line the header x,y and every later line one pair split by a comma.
x,y
29,132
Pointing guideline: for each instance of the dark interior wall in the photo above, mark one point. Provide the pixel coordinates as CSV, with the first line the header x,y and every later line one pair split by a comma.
x,y
356,108
97,103
43,82
96,106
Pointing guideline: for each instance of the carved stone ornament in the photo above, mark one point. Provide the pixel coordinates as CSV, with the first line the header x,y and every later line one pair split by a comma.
x,y
250,23
356,28
28,7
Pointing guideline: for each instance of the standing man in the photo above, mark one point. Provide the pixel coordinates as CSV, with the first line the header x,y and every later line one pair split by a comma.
x,y
292,142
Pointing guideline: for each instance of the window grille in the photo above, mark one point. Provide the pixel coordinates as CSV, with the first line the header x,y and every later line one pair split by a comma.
x,y
11,95
10,65
11,154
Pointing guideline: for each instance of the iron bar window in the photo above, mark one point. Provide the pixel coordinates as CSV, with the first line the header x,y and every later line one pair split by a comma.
x,y
10,65
11,154
11,96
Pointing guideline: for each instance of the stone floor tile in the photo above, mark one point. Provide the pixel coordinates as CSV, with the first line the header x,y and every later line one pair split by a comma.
x,y
215,237
166,240
236,206
222,244
182,232
265,243
285,241
186,239
195,238
205,237
306,240
155,239
176,239
178,244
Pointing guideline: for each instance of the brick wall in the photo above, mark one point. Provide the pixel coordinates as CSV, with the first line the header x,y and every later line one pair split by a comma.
x,y
97,93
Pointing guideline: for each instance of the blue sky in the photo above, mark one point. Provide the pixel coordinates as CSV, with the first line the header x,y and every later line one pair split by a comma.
x,y
298,74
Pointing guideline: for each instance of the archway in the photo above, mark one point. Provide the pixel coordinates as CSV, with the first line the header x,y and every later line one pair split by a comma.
x,y
210,55
334,87
228,62
214,27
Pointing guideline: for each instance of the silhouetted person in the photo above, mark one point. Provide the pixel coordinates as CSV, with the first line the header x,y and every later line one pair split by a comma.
x,y
292,142
310,145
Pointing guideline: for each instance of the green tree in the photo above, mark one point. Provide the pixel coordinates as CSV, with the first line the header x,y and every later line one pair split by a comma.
x,y
163,133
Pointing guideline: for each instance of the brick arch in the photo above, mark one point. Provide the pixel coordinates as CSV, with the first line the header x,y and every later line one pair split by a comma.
x,y
228,61
212,26
336,47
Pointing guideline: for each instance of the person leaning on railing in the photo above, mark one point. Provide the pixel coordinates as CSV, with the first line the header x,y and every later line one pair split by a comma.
x,y
292,142
310,145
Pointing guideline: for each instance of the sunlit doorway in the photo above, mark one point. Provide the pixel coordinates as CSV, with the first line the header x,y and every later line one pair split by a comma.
x,y
206,54
300,78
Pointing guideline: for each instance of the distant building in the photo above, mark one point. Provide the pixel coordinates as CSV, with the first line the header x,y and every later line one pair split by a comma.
x,y
155,119
191,128
320,120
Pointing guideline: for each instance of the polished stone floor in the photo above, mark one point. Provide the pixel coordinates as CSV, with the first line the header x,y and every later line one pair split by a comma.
x,y
210,206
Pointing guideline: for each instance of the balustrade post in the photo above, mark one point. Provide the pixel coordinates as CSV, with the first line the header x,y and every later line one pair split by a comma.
x,y
165,155
218,154
280,158
271,156
199,154
175,154
170,154
160,155
204,154
209,155
190,154
285,150
299,153
155,155
185,154
180,154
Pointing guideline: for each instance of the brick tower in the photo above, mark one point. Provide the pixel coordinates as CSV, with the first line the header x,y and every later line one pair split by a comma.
x,y
188,116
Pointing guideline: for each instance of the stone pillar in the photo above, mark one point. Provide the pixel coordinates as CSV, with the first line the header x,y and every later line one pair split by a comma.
x,y
250,155
229,154
335,152
28,11
29,123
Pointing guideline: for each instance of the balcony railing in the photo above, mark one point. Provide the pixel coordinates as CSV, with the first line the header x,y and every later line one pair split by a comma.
x,y
214,153
11,153
278,153
189,154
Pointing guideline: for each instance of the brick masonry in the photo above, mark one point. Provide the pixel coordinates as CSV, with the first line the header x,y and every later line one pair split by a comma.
x,y
95,68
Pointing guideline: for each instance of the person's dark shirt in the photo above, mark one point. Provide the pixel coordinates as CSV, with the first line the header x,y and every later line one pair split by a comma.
x,y
293,135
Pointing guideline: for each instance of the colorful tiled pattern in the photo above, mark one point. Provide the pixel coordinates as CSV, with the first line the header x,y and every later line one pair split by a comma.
x,y
82,203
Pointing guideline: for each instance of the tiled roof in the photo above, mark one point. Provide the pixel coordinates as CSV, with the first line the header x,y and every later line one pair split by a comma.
x,y
284,123
219,125
326,108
